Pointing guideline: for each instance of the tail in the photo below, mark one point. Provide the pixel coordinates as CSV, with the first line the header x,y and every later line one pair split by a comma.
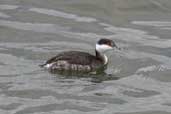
x,y
42,65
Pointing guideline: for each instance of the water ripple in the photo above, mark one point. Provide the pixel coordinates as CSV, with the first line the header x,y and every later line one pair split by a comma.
x,y
62,14
153,23
8,7
3,15
24,88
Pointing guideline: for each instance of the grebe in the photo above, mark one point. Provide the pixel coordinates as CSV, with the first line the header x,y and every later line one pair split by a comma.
x,y
81,61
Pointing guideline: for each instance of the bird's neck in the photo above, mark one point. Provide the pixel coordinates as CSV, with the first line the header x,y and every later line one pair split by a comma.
x,y
102,57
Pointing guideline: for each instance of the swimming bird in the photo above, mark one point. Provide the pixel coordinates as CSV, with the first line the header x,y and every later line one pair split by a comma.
x,y
81,61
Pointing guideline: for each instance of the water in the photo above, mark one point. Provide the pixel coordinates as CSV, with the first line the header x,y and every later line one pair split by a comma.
x,y
31,31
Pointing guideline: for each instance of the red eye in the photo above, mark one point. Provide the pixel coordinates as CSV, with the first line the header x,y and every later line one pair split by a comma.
x,y
110,44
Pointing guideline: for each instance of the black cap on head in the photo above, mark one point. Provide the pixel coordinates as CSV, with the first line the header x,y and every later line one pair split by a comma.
x,y
107,42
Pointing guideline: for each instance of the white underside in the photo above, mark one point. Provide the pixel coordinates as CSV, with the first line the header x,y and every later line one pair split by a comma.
x,y
48,65
64,65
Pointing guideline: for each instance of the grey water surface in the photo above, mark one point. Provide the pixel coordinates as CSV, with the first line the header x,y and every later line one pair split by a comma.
x,y
31,31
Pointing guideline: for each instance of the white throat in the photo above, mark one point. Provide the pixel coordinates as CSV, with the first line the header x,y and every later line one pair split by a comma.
x,y
105,59
101,49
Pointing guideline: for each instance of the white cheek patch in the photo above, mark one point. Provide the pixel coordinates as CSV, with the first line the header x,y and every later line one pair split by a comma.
x,y
103,47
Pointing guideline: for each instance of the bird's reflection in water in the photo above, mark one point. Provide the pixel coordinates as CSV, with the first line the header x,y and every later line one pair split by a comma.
x,y
95,77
